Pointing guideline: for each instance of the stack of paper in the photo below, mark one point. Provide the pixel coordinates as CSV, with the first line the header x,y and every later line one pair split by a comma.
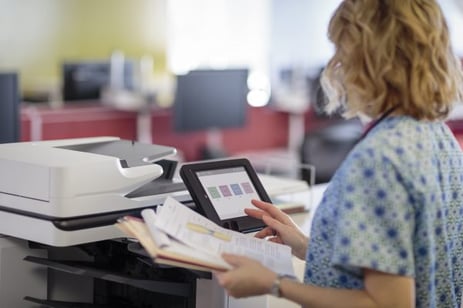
x,y
289,195
177,235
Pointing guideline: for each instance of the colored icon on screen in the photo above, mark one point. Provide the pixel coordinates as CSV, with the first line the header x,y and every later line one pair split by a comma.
x,y
247,187
236,189
225,190
214,192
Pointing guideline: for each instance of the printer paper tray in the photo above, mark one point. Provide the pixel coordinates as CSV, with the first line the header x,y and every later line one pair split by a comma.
x,y
85,269
62,304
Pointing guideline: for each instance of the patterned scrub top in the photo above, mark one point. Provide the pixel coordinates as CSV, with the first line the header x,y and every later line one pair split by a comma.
x,y
395,205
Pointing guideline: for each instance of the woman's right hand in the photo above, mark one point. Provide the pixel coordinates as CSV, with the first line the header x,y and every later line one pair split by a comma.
x,y
280,227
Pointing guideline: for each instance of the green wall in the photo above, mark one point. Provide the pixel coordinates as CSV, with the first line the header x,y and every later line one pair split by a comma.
x,y
37,35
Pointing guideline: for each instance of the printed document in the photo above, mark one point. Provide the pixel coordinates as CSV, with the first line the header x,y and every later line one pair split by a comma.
x,y
192,238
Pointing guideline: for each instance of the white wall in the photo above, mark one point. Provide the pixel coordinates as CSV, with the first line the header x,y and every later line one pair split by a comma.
x,y
453,11
299,32
217,34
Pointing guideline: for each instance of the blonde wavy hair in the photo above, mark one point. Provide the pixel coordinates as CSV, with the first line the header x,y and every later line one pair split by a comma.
x,y
391,54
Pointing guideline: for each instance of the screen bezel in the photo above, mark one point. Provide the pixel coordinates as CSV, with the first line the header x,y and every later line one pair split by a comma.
x,y
189,174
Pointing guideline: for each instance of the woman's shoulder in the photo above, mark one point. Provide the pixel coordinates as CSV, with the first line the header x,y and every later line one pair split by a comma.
x,y
396,141
402,135
404,144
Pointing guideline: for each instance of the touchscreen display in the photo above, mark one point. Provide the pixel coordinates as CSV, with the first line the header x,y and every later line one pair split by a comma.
x,y
230,190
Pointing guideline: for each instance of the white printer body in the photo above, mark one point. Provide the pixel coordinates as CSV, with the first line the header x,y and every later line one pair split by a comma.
x,y
57,193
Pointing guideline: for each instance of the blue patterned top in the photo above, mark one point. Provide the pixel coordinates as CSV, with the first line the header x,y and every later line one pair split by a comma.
x,y
395,205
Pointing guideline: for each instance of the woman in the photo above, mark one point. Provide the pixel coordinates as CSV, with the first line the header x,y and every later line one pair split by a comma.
x,y
389,230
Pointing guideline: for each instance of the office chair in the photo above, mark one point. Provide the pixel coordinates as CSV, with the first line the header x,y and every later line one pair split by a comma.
x,y
325,148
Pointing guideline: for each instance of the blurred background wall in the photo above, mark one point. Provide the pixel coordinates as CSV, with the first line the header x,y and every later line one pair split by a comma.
x,y
37,35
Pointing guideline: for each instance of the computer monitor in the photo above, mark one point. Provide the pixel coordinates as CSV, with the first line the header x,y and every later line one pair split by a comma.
x,y
84,80
9,108
211,100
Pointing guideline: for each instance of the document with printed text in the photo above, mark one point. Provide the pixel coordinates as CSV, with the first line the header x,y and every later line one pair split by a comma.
x,y
177,235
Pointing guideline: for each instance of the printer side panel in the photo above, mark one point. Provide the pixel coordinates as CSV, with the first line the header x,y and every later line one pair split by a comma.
x,y
209,294
23,179
19,278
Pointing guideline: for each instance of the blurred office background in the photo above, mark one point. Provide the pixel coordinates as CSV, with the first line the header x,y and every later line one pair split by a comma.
x,y
281,44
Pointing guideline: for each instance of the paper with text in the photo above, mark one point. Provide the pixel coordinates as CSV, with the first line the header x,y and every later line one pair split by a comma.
x,y
160,238
172,253
195,230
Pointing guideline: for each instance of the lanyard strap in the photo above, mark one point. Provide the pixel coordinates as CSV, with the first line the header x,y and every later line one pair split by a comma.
x,y
376,122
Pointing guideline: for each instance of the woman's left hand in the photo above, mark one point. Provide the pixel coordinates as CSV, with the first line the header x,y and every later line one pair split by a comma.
x,y
247,278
